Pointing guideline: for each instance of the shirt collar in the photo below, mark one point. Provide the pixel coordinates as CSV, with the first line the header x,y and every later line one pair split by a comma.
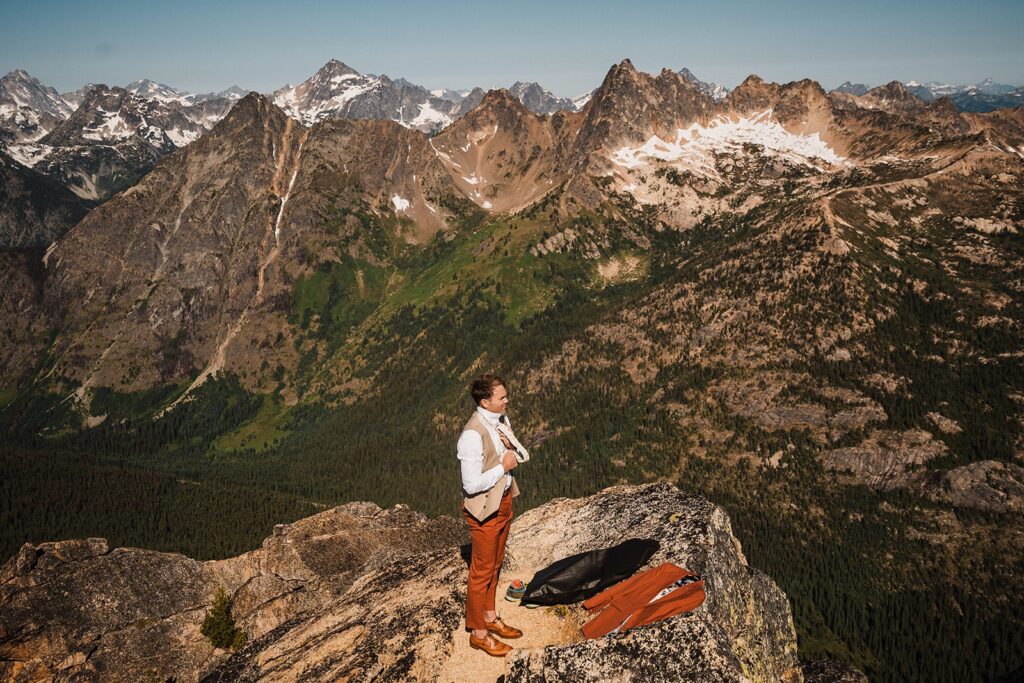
x,y
493,417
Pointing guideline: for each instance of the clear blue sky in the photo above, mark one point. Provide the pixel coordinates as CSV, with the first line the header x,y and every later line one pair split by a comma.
x,y
566,46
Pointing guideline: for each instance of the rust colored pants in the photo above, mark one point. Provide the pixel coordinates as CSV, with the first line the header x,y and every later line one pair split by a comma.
x,y
488,540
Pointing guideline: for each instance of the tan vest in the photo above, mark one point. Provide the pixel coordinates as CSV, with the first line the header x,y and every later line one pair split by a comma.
x,y
482,505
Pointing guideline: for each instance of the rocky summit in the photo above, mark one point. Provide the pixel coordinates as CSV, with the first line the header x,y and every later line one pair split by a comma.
x,y
360,593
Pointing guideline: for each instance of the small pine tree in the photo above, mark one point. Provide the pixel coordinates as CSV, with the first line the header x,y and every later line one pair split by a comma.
x,y
218,625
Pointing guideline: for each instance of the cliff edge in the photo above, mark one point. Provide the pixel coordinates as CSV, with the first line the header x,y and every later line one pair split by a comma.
x,y
360,593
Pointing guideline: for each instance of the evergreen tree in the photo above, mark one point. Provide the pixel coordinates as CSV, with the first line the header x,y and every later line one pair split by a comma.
x,y
219,626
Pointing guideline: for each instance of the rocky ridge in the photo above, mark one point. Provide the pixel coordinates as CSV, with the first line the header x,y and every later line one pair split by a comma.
x,y
985,96
80,610
337,90
30,110
361,593
165,93
115,137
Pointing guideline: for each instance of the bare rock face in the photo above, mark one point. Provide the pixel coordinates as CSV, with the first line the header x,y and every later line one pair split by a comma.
x,y
630,105
886,459
500,155
404,620
77,610
539,100
987,485
743,631
360,593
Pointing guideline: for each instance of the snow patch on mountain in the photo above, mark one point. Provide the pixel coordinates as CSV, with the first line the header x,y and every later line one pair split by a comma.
x,y
113,128
428,118
29,154
695,146
157,91
180,138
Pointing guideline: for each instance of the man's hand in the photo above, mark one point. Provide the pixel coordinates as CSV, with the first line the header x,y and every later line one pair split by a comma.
x,y
508,461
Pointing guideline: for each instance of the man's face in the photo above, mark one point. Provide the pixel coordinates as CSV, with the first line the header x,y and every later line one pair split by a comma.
x,y
498,400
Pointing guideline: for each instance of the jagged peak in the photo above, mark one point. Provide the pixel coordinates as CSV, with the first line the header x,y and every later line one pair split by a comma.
x,y
688,75
253,107
336,67
498,102
147,81
754,83
253,101
525,87
98,90
622,73
807,83
943,106
500,97
752,87
893,89
673,76
852,88
20,74
750,81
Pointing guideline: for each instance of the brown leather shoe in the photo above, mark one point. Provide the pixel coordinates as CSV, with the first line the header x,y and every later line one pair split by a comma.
x,y
500,628
490,645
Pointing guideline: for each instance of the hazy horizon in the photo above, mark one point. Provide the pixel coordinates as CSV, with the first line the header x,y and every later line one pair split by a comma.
x,y
567,49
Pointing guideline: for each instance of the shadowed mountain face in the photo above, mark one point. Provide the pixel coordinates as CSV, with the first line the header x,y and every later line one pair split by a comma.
x,y
34,210
807,304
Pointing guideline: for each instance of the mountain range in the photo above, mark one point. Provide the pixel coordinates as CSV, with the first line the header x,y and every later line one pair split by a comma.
x,y
99,153
981,97
805,304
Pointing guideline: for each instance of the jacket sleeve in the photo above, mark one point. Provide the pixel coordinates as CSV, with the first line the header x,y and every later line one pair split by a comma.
x,y
610,593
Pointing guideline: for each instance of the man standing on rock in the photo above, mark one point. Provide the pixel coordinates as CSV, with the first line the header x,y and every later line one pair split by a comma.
x,y
488,451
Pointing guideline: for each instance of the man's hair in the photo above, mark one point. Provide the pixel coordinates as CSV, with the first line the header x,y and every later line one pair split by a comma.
x,y
484,385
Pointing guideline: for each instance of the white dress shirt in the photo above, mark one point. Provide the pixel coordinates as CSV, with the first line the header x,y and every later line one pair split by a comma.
x,y
471,456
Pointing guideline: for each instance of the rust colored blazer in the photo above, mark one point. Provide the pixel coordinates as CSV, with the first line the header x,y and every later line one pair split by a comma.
x,y
630,600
